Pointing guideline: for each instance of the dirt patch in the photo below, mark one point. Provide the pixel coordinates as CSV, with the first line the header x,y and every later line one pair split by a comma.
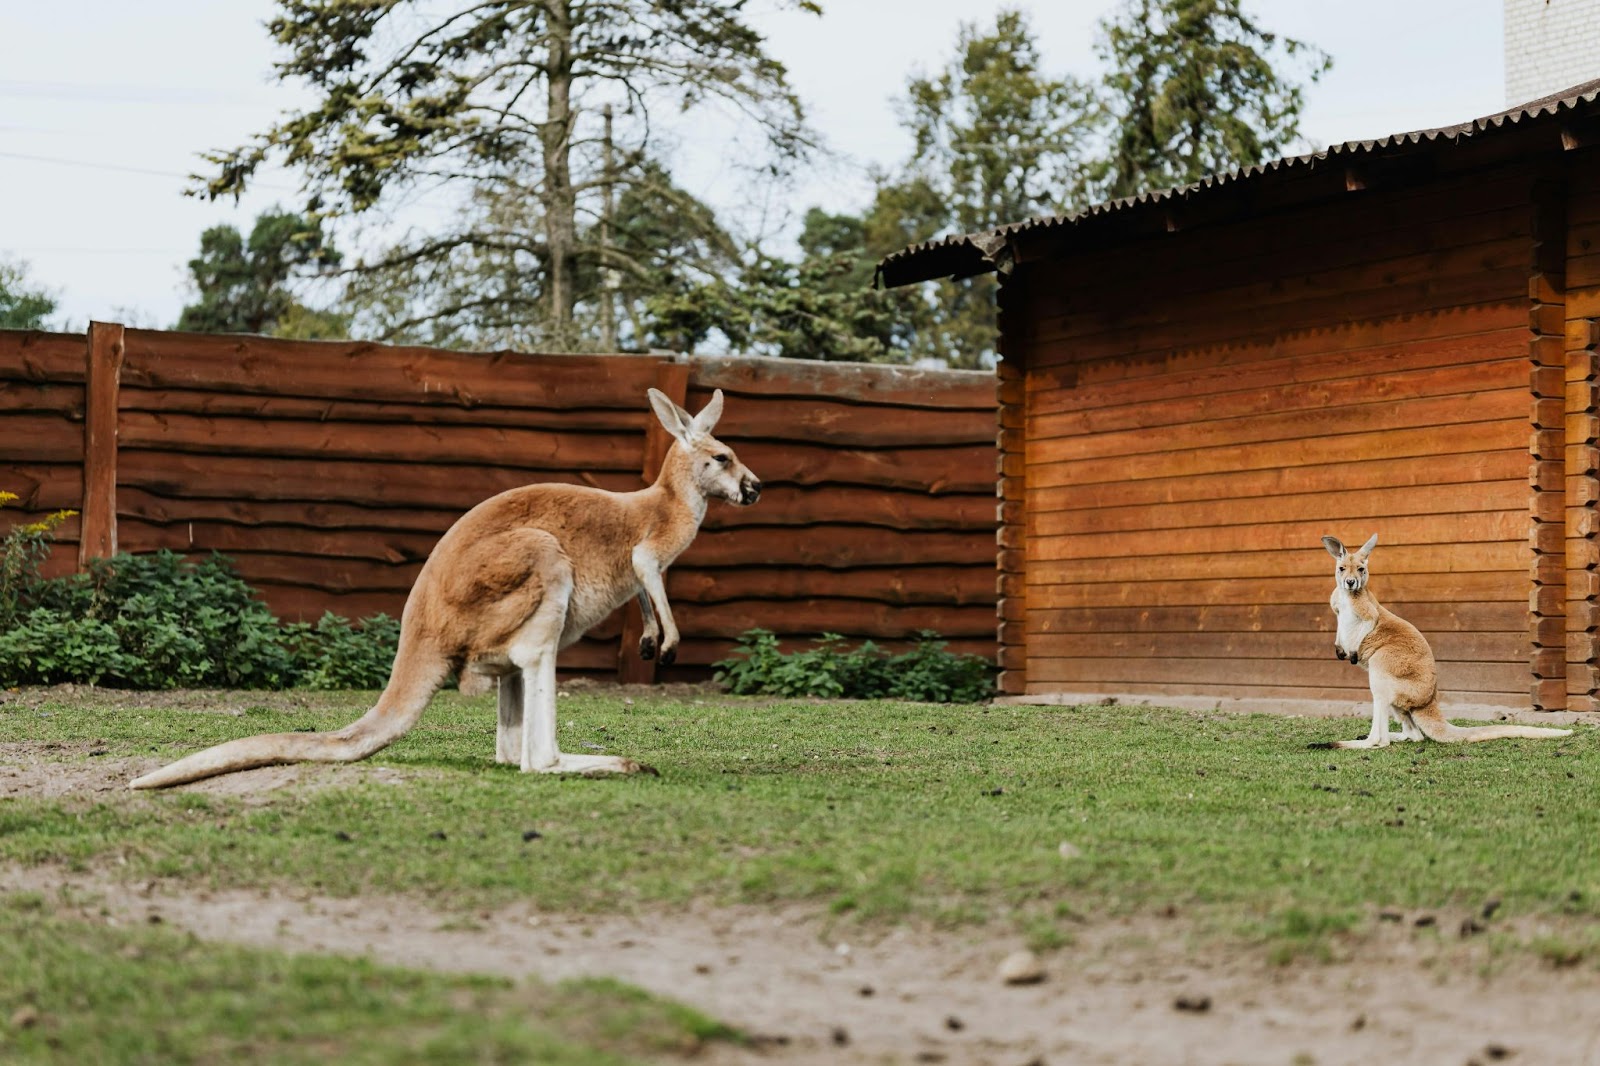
x,y
1126,992
82,770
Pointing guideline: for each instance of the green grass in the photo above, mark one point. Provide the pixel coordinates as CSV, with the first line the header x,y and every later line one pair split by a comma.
x,y
873,811
76,991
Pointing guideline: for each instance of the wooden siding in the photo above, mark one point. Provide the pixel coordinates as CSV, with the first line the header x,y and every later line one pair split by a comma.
x,y
1201,408
41,433
328,470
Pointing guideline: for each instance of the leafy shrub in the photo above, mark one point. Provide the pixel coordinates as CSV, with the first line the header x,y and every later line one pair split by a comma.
x,y
333,654
161,621
928,673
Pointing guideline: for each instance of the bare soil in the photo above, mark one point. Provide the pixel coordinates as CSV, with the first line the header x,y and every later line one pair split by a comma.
x,y
1126,992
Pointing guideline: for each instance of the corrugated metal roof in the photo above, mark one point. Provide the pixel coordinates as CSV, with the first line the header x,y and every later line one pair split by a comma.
x,y
962,255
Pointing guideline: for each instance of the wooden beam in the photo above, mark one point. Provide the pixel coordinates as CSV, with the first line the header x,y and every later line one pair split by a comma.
x,y
102,381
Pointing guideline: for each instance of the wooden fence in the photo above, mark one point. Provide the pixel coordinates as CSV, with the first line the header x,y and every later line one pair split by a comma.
x,y
327,470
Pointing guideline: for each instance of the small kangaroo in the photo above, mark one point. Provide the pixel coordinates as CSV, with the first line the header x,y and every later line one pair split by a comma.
x,y
1398,662
514,580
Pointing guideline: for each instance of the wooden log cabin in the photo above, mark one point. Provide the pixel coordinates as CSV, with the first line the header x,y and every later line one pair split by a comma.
x,y
1394,336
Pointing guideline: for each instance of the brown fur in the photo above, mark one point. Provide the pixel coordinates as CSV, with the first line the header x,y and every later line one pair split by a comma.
x,y
517,578
1399,663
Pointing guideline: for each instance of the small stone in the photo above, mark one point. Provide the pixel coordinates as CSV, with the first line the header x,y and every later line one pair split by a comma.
x,y
1192,1004
1069,850
1425,920
531,834
1390,916
438,834
701,968
1496,1052
1359,1024
866,991
25,1017
1021,968
1471,927
1489,907
841,1036
954,1024
841,950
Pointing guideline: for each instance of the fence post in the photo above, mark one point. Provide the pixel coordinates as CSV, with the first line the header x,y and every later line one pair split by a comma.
x,y
672,378
102,380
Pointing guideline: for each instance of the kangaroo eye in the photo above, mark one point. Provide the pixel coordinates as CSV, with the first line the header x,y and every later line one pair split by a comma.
x,y
722,460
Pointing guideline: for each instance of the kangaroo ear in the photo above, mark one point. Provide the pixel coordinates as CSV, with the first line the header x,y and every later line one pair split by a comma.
x,y
1335,548
1366,549
706,420
674,419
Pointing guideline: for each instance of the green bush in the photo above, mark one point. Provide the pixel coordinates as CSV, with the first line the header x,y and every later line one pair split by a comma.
x,y
928,673
161,621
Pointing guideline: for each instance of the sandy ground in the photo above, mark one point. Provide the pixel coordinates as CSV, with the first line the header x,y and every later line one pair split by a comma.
x,y
1130,992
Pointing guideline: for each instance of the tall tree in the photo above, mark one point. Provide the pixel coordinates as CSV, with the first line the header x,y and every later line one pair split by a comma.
x,y
505,97
23,305
248,286
1195,87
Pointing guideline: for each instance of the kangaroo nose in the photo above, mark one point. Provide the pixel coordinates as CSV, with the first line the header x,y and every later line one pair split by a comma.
x,y
750,490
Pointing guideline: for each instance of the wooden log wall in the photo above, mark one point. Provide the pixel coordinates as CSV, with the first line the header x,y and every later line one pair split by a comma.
x,y
42,432
1581,337
328,470
1201,408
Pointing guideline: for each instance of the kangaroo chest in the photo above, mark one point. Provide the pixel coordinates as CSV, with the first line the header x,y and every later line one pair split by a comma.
x,y
1353,628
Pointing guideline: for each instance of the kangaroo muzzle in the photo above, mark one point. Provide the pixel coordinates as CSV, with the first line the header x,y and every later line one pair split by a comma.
x,y
749,491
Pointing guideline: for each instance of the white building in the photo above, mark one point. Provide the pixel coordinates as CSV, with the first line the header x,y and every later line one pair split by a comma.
x,y
1550,45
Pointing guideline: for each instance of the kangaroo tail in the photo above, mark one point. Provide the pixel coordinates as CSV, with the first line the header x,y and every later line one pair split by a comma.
x,y
415,678
1435,727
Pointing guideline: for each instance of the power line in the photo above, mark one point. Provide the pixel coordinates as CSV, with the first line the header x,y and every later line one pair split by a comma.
x,y
120,168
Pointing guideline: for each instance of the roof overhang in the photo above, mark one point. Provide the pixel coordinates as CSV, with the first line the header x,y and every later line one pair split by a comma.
x,y
1558,123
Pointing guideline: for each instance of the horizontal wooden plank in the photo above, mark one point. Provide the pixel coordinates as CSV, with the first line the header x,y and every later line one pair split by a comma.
x,y
317,409
781,505
33,355
707,651
1510,434
1258,385
836,547
1250,566
852,618
1154,692
1326,347
1406,542
832,547
1455,616
821,420
1334,506
426,485
1353,480
1175,406
39,437
899,585
874,383
381,373
44,487
64,400
1043,592
482,446
1186,423
1324,311
1507,647
1298,673
1208,294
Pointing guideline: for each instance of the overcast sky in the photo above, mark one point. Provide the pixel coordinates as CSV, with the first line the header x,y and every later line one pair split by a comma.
x,y
105,106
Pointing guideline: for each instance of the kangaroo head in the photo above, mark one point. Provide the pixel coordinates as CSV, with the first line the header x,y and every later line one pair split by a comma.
x,y
713,470
1350,570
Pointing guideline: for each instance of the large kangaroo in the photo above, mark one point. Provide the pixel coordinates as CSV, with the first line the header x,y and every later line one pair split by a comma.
x,y
516,579
1398,662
